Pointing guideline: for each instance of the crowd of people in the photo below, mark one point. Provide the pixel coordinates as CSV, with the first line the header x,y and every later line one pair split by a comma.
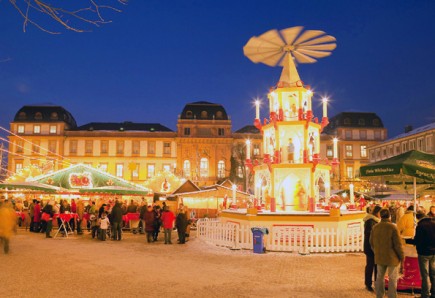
x,y
386,236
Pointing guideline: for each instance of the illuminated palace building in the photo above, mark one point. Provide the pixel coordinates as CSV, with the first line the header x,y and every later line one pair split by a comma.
x,y
200,149
204,148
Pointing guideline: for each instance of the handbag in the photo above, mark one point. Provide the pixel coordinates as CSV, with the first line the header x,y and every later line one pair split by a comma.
x,y
45,216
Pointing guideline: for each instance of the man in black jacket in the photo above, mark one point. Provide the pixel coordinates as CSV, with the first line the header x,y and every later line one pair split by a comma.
x,y
369,221
424,241
116,221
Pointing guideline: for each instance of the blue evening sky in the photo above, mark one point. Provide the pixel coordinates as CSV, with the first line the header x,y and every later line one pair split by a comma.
x,y
158,55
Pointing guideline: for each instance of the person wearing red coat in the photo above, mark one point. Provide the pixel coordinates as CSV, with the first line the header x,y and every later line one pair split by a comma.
x,y
168,219
36,217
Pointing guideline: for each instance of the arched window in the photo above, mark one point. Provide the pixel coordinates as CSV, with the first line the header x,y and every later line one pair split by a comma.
x,y
203,168
204,114
186,168
218,115
22,116
38,115
189,114
221,169
54,116
361,121
346,121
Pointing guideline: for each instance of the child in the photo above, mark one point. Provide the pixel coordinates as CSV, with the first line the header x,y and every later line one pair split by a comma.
x,y
104,225
93,225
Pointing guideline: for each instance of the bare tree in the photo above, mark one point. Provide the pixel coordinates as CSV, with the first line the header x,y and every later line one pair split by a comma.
x,y
76,18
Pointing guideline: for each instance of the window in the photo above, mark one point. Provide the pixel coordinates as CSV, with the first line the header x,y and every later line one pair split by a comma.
x,y
397,148
420,144
378,154
412,145
221,131
103,167
329,150
204,114
219,115
376,122
53,128
166,148
203,168
404,147
256,149
151,147
347,121
384,152
119,170
54,116
37,129
73,147
187,131
18,166
363,134
119,147
20,129
189,114
166,168
186,168
361,121
428,144
221,169
150,170
38,116
377,135
349,150
135,147
364,151
134,170
36,146
19,146
372,155
240,172
390,151
89,146
104,147
349,172
348,134
52,145
22,116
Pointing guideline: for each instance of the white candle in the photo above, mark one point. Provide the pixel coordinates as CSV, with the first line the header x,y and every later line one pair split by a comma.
x,y
335,140
234,194
257,109
327,191
248,149
310,152
352,195
325,105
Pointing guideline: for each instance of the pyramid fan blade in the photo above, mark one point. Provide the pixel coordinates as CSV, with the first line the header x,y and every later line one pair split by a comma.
x,y
302,58
273,37
323,39
259,57
290,34
315,54
256,42
320,47
307,35
274,59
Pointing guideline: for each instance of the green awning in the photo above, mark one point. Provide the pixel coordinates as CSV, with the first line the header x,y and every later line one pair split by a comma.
x,y
113,190
33,186
412,163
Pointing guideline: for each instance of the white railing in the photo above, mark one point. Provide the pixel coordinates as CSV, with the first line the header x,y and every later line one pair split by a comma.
x,y
303,240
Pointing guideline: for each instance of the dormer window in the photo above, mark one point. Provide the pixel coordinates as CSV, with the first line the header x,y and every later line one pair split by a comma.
x,y
54,116
218,115
376,122
38,116
22,116
204,114
189,114
347,121
361,121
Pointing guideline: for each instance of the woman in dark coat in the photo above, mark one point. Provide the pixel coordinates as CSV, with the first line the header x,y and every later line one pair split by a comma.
x,y
149,217
49,224
181,223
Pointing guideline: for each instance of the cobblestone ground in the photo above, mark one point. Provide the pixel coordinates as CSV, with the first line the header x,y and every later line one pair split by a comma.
x,y
79,266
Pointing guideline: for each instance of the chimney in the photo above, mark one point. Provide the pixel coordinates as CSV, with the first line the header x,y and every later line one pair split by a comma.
x,y
408,128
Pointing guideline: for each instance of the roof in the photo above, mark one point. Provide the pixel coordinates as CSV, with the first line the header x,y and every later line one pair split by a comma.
x,y
45,113
203,110
248,129
124,126
414,131
353,119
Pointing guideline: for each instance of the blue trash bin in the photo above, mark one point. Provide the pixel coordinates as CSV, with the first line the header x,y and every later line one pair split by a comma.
x,y
258,236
